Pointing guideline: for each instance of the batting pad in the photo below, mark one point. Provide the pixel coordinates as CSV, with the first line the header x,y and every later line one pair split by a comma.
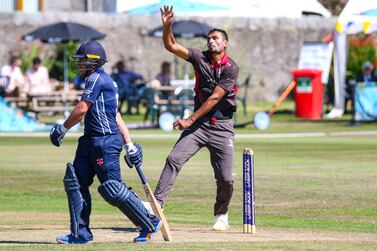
x,y
118,194
75,200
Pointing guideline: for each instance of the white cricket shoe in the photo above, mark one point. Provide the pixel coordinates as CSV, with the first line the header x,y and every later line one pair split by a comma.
x,y
221,222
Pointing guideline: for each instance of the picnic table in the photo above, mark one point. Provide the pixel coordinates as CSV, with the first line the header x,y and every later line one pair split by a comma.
x,y
58,101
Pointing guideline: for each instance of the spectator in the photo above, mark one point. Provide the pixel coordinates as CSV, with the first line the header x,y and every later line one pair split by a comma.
x,y
78,83
367,75
12,78
37,79
127,85
165,75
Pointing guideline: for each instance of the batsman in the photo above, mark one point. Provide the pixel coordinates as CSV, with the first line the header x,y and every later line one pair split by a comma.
x,y
211,124
98,152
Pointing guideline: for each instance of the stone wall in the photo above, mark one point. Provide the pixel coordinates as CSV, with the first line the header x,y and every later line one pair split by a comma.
x,y
268,49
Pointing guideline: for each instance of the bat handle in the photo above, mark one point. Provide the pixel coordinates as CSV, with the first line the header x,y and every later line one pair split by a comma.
x,y
141,174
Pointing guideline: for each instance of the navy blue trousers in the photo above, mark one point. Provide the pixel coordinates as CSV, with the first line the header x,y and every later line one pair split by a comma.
x,y
95,156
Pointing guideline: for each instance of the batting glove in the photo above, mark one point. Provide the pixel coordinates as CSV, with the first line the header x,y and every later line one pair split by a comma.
x,y
134,154
57,134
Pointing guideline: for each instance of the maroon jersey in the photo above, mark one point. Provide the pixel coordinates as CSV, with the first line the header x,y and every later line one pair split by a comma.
x,y
209,75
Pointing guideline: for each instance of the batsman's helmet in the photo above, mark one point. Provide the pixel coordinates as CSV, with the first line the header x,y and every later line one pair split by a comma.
x,y
89,56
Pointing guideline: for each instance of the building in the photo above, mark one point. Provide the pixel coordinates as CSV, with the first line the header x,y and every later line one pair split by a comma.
x,y
32,6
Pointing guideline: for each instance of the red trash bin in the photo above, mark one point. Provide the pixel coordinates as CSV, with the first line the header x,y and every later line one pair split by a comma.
x,y
308,93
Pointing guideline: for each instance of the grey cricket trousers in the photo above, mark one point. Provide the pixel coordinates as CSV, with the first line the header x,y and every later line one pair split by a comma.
x,y
218,137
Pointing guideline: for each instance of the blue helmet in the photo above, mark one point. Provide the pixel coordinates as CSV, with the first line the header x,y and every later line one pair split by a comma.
x,y
89,56
91,49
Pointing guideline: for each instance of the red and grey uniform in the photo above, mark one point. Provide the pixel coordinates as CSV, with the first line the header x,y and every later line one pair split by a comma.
x,y
213,131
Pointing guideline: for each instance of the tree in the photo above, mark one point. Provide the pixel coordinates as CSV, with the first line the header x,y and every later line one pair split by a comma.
x,y
334,6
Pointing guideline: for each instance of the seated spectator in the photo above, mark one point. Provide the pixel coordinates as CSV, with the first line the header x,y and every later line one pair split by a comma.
x,y
367,73
366,77
12,79
78,83
127,86
37,79
165,75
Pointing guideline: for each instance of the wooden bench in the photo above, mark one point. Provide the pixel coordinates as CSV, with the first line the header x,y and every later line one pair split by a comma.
x,y
20,102
56,102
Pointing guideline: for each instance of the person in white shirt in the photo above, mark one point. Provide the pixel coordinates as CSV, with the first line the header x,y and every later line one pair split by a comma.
x,y
12,78
37,79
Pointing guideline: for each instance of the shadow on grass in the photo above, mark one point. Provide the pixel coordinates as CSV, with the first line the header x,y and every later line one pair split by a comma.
x,y
27,242
120,229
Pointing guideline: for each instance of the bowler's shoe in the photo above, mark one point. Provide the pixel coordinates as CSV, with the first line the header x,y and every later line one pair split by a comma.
x,y
221,222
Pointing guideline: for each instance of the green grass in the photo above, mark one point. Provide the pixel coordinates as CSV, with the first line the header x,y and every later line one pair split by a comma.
x,y
263,245
317,184
282,121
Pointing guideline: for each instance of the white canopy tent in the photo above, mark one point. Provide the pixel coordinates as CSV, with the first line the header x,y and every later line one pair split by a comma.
x,y
266,8
357,16
241,8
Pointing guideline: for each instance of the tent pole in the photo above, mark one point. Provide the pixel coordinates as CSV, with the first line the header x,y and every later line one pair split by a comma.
x,y
65,66
340,62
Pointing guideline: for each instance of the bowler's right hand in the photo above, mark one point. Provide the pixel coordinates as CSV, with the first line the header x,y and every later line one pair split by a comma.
x,y
57,134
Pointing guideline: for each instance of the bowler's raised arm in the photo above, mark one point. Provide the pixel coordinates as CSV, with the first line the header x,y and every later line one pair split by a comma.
x,y
167,18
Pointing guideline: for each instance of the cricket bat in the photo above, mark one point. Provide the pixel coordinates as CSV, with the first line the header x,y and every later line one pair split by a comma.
x,y
165,230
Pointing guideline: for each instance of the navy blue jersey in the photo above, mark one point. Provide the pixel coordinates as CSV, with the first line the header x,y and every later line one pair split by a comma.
x,y
102,92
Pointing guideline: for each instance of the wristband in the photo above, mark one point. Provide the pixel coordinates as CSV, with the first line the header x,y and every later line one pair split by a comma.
x,y
64,130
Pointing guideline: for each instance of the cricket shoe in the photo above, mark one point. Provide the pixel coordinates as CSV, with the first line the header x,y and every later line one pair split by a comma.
x,y
221,222
70,239
146,236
